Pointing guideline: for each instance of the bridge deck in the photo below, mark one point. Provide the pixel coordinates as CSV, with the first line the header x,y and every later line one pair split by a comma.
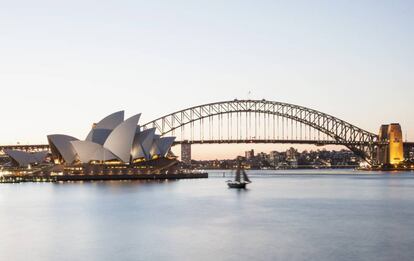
x,y
263,141
248,141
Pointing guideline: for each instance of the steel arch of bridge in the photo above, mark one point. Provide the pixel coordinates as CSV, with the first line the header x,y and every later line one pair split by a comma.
x,y
356,139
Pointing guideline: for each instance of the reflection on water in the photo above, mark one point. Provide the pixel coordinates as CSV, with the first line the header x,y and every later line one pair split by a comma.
x,y
282,217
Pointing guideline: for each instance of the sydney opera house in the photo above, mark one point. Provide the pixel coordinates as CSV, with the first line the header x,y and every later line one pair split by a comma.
x,y
117,143
113,146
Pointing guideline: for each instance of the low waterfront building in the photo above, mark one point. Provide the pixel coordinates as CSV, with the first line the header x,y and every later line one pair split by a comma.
x,y
25,159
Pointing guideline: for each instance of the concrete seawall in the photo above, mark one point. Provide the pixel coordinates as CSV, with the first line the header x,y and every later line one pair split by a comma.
x,y
132,177
81,177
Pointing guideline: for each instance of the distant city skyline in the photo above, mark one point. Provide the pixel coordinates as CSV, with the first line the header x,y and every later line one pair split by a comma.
x,y
64,64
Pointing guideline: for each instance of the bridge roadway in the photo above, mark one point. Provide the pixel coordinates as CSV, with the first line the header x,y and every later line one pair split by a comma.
x,y
39,147
271,141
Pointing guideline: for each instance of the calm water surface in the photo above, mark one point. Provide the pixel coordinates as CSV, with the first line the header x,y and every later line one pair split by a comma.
x,y
280,217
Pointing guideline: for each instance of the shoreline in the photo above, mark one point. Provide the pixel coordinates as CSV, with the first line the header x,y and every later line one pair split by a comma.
x,y
82,177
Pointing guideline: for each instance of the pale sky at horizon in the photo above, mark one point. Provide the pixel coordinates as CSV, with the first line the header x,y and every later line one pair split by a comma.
x,y
64,65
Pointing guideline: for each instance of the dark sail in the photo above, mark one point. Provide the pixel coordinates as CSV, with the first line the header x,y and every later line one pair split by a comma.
x,y
238,176
237,183
246,178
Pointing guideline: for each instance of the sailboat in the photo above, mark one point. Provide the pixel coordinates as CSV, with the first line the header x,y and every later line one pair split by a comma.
x,y
241,179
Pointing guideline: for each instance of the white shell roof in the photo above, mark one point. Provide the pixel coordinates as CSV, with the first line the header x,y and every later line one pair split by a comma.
x,y
40,156
161,145
110,122
88,151
142,144
164,145
154,147
99,135
64,146
21,157
122,137
25,158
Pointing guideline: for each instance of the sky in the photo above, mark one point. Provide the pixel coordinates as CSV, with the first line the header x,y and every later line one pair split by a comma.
x,y
67,64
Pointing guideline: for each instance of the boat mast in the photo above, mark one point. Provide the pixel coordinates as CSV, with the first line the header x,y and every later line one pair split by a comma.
x,y
238,176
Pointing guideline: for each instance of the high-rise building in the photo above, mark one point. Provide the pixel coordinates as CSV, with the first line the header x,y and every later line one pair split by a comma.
x,y
249,154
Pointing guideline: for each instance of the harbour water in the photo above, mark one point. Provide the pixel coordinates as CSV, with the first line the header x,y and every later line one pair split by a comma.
x,y
283,215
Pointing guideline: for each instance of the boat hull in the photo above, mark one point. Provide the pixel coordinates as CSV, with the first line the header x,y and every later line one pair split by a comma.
x,y
237,185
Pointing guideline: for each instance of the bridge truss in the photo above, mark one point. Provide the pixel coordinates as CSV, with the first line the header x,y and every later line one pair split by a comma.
x,y
262,121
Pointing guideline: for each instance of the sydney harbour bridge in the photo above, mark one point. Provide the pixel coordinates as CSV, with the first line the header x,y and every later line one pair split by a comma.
x,y
261,121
